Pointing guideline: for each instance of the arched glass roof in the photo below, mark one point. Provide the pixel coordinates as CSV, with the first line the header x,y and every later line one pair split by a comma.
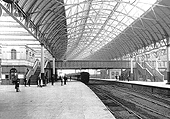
x,y
96,29
91,24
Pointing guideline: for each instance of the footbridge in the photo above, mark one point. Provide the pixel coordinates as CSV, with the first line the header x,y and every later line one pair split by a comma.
x,y
91,64
79,64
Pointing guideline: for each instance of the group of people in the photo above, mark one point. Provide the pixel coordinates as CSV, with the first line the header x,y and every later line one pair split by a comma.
x,y
63,79
16,82
42,82
27,82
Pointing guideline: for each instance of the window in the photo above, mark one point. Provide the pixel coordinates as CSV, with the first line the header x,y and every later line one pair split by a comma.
x,y
13,54
26,54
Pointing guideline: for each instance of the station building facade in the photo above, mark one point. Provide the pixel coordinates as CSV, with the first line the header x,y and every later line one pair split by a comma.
x,y
17,58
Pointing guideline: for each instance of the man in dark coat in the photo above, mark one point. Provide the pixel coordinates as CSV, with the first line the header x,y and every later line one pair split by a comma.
x,y
17,85
52,80
29,82
60,78
65,79
25,81
39,82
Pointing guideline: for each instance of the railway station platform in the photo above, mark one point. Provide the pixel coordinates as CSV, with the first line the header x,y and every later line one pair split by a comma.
x,y
72,101
160,88
156,84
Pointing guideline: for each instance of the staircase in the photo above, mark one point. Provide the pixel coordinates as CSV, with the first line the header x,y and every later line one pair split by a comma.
x,y
33,78
142,73
146,72
158,76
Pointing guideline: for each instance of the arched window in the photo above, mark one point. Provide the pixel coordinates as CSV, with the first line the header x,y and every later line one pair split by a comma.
x,y
13,54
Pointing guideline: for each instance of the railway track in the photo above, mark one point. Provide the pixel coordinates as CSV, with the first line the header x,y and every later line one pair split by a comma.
x,y
116,108
127,104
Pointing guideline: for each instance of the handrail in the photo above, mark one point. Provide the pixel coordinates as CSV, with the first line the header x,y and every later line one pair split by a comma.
x,y
157,74
46,63
35,64
140,68
32,70
151,76
144,71
17,62
161,64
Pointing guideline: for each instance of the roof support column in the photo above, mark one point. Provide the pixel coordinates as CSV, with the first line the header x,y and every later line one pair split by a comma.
x,y
121,68
168,63
53,76
42,64
156,63
131,67
53,66
135,75
156,54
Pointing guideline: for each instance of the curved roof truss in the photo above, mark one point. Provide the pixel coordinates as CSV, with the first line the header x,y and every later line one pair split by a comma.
x,y
97,29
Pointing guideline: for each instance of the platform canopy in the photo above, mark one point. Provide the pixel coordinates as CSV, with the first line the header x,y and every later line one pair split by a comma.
x,y
96,29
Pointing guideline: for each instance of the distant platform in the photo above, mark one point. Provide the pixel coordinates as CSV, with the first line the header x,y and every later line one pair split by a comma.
x,y
161,88
157,84
72,101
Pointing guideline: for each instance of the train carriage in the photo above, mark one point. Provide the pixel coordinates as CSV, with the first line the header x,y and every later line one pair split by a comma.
x,y
80,76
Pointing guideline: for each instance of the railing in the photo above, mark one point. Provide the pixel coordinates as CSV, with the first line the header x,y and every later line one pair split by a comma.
x,y
91,64
161,64
16,62
32,71
157,74
46,63
140,68
149,75
145,72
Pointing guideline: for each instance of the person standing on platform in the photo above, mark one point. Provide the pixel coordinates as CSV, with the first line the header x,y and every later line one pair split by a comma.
x,y
116,77
39,82
25,81
17,85
70,78
29,81
65,79
60,78
52,80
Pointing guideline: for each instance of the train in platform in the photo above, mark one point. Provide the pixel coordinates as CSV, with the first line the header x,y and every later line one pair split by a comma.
x,y
80,76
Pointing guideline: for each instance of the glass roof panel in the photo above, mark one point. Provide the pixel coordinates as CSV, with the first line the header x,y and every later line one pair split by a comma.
x,y
98,22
